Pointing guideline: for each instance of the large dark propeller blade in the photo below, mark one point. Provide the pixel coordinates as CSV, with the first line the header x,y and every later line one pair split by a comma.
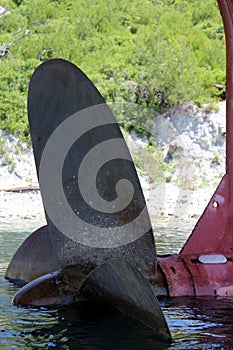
x,y
93,200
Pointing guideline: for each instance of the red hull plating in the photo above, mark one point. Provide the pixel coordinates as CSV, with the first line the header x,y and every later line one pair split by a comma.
x,y
188,274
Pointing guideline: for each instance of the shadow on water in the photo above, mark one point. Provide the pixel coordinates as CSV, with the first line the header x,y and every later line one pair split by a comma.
x,y
203,323
84,329
77,327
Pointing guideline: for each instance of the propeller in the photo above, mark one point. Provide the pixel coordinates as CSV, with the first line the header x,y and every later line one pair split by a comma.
x,y
98,242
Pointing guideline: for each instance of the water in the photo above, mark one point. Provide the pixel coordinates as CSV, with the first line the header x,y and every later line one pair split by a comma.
x,y
203,323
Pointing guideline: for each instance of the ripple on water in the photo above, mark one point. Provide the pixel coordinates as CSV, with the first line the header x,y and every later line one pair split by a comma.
x,y
203,323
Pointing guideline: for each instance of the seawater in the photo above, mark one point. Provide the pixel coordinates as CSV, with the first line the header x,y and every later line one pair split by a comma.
x,y
202,323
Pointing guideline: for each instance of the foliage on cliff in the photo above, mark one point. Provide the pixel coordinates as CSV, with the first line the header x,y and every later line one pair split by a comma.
x,y
154,54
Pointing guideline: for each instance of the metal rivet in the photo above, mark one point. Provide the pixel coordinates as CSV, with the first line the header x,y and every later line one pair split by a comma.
x,y
215,204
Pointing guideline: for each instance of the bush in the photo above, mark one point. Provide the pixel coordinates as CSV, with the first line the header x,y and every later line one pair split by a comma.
x,y
152,54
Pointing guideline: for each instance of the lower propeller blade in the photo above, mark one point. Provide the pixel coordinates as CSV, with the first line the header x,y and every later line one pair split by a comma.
x,y
121,286
115,284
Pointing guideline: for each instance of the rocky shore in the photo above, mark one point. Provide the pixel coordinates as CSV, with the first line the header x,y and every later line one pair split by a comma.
x,y
163,202
192,138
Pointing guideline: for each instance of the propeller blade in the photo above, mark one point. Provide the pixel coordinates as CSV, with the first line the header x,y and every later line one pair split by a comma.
x,y
35,257
115,284
56,288
121,286
92,196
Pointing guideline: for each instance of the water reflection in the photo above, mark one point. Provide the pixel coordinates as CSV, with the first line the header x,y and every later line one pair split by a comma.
x,y
76,328
171,234
203,323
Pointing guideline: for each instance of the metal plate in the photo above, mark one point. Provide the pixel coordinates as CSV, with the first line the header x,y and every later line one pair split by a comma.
x,y
212,259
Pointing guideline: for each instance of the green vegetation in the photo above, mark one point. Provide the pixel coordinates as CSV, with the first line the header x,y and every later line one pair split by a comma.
x,y
216,160
152,54
6,158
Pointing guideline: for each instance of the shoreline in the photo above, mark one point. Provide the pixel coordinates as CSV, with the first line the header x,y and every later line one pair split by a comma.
x,y
165,202
192,142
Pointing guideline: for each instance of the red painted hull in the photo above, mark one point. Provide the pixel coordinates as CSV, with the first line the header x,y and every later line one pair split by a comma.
x,y
186,276
192,272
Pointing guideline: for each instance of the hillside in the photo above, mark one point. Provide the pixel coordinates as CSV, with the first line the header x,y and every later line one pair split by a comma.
x,y
191,142
150,54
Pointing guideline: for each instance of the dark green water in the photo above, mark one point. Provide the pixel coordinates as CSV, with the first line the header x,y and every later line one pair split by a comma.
x,y
203,323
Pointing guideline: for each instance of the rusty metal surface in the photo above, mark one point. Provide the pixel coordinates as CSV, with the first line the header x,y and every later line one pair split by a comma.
x,y
58,89
35,257
211,234
186,276
56,288
43,291
179,280
209,279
